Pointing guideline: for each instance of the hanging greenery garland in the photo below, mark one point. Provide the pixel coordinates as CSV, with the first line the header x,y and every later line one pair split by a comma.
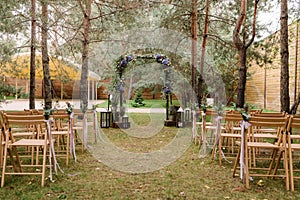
x,y
123,62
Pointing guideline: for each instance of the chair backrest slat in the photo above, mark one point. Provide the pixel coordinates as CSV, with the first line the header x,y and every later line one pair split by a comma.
x,y
270,114
269,121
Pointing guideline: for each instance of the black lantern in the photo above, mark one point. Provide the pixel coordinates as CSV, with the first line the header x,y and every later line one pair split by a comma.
x,y
125,122
105,119
180,118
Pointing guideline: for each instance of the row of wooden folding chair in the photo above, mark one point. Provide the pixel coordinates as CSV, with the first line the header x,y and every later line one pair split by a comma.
x,y
60,130
272,146
230,131
61,123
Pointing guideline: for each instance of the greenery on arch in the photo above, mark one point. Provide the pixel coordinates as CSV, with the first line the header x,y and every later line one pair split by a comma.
x,y
125,61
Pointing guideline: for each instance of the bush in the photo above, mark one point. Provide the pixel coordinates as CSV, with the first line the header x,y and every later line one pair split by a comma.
x,y
138,99
7,90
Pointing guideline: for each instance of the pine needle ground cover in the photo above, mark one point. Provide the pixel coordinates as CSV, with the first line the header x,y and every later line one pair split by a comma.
x,y
186,178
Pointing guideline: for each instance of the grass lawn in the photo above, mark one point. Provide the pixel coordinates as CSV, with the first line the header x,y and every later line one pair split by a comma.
x,y
187,178
148,103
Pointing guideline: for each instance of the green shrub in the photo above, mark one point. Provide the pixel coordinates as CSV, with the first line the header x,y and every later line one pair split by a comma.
x,y
138,99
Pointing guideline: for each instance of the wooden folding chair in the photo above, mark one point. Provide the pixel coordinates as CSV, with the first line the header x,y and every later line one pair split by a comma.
x,y
229,136
257,141
61,134
293,138
210,126
17,130
78,126
40,143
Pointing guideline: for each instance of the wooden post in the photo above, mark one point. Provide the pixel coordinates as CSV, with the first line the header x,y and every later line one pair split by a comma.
x,y
61,90
16,88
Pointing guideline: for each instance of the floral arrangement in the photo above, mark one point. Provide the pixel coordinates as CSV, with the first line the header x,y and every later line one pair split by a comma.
x,y
244,113
48,110
69,108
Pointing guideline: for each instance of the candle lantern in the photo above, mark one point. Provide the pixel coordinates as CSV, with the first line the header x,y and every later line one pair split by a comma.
x,y
105,119
180,118
125,122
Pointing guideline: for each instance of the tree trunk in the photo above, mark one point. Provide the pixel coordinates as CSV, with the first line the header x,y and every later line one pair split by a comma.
x,y
45,58
296,62
242,78
284,52
194,43
32,56
85,64
85,55
203,51
242,50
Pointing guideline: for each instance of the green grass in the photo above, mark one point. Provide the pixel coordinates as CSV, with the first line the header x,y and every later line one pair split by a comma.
x,y
187,178
148,103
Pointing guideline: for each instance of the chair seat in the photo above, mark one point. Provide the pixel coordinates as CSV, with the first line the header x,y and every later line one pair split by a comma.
x,y
59,132
265,135
28,142
231,135
263,145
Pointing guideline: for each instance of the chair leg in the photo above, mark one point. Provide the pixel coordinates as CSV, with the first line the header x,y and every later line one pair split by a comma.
x,y
4,166
44,165
214,151
290,155
68,149
220,151
285,163
11,157
247,168
286,170
277,163
36,155
273,156
237,158
17,158
232,145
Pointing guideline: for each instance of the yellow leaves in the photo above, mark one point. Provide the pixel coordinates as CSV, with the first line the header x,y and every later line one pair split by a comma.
x,y
207,187
260,183
59,69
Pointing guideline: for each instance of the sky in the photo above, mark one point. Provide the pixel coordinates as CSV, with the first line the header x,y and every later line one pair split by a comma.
x,y
272,17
